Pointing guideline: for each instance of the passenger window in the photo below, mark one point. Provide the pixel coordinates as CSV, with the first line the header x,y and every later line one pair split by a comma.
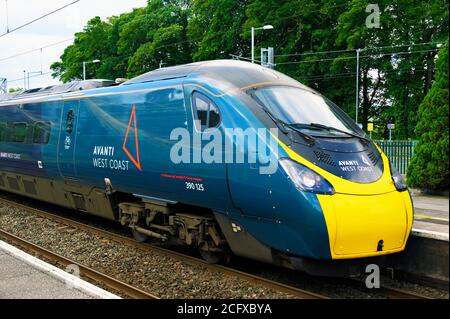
x,y
9,135
205,111
3,128
41,133
69,121
20,132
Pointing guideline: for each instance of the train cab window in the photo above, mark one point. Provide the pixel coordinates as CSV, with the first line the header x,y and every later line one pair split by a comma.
x,y
205,111
19,132
41,133
69,121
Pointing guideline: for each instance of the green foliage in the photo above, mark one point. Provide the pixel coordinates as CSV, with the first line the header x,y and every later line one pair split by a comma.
x,y
302,28
158,36
91,44
215,29
15,90
173,32
393,85
429,167
130,44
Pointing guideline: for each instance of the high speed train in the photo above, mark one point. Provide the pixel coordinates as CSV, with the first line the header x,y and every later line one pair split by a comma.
x,y
318,196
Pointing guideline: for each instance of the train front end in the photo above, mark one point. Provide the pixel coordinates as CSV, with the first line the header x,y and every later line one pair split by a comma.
x,y
362,219
338,197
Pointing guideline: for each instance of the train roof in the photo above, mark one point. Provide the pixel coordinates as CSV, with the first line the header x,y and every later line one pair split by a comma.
x,y
186,70
227,72
169,73
223,74
57,89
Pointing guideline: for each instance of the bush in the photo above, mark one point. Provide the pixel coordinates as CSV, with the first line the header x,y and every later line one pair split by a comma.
x,y
429,166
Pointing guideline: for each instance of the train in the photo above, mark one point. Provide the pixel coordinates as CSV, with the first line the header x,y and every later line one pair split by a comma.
x,y
303,188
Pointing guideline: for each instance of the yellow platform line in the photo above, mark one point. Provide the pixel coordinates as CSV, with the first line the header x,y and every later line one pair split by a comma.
x,y
430,217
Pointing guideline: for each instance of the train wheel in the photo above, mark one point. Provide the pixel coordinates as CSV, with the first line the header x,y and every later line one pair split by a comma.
x,y
139,237
212,257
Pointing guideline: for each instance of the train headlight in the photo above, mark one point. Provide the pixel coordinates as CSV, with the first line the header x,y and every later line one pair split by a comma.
x,y
305,179
399,181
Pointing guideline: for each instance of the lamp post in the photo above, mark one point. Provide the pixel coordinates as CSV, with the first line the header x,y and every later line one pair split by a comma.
x,y
357,84
84,67
28,77
358,55
266,27
7,17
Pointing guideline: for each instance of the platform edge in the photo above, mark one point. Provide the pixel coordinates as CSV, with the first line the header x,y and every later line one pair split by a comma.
x,y
59,274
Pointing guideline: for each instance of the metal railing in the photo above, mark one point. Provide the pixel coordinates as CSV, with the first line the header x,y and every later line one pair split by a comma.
x,y
399,152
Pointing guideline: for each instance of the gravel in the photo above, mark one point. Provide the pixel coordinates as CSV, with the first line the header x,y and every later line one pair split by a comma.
x,y
161,275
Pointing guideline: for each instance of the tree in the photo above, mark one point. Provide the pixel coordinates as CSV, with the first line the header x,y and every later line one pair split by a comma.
x,y
216,27
394,79
160,35
90,44
410,75
15,90
130,44
301,29
430,167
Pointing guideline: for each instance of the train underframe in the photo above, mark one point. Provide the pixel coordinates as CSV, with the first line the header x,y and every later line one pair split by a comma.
x,y
182,224
176,223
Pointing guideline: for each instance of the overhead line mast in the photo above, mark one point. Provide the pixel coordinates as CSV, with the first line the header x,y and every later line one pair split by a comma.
x,y
3,86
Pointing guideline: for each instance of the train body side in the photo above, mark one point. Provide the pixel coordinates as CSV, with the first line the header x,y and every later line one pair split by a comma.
x,y
123,136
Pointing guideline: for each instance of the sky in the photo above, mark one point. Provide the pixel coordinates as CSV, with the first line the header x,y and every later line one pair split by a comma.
x,y
55,28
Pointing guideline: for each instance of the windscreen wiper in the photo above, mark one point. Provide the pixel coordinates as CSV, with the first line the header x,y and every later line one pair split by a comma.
x,y
307,137
277,121
330,128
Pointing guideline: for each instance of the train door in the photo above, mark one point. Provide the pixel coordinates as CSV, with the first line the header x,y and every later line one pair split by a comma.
x,y
207,147
67,140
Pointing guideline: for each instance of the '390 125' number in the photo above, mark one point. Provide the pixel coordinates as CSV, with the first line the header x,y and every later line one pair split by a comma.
x,y
195,187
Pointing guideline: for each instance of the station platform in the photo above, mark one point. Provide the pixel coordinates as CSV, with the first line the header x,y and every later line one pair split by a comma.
x,y
426,257
23,276
431,218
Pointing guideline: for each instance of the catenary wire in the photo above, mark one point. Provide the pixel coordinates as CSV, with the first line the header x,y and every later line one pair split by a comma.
x,y
39,18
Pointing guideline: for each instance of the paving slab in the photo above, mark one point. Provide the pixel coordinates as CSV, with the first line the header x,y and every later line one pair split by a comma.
x,y
431,218
23,276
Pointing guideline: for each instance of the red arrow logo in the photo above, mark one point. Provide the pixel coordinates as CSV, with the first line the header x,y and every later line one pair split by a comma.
x,y
136,161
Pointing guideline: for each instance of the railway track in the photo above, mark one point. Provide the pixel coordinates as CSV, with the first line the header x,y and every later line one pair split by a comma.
x,y
387,292
114,284
299,293
393,293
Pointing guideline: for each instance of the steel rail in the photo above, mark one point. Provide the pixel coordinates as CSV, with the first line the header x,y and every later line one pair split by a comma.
x,y
394,293
93,274
388,292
